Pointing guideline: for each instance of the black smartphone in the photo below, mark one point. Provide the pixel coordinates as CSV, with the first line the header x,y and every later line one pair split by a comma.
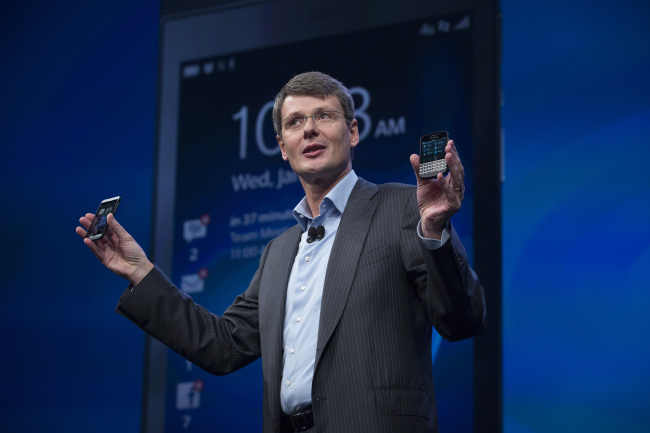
x,y
432,154
100,223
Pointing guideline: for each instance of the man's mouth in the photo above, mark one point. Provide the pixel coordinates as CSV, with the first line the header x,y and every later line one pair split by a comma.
x,y
313,150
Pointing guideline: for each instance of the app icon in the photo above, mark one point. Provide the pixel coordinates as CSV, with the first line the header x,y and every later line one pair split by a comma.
x,y
195,229
188,394
193,283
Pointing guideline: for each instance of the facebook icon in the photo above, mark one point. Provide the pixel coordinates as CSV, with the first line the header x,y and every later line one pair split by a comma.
x,y
188,395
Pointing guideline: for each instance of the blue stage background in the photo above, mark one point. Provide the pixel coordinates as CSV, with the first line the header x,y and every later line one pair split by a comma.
x,y
77,125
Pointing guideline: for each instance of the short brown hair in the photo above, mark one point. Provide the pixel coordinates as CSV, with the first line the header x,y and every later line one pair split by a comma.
x,y
313,84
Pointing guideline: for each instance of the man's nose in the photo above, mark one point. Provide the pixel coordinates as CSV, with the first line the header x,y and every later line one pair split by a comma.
x,y
310,127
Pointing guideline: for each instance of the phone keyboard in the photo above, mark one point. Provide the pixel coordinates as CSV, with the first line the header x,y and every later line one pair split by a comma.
x,y
430,169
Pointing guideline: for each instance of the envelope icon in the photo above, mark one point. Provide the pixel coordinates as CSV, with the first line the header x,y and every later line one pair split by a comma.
x,y
191,283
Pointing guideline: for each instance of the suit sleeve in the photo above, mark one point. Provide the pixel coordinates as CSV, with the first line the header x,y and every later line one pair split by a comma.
x,y
217,344
448,287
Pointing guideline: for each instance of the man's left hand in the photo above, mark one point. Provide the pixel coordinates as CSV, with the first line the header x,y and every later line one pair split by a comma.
x,y
440,197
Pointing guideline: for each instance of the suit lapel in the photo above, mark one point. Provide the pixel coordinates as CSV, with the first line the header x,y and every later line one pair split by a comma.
x,y
346,251
273,296
279,265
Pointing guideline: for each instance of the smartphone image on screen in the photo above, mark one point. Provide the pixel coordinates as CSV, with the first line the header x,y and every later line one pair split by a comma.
x,y
432,154
100,224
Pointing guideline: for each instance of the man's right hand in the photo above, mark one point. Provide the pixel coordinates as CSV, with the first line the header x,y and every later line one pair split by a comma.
x,y
117,250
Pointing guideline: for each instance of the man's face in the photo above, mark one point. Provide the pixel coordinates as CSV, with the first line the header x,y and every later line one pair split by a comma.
x,y
318,154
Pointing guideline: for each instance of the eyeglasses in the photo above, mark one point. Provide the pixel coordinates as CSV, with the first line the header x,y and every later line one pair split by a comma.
x,y
324,118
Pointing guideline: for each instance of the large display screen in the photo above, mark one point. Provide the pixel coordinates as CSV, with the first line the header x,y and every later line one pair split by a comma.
x,y
223,190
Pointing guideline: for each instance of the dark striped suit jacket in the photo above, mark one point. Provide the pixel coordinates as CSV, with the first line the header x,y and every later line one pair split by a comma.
x,y
383,292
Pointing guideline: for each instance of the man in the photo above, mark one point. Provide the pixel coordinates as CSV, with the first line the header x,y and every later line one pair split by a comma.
x,y
343,323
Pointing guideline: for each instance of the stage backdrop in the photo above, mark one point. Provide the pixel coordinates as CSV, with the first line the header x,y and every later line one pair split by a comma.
x,y
77,125
223,191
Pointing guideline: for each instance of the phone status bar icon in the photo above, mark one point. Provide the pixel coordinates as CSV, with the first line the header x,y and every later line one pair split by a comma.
x,y
209,67
463,24
445,26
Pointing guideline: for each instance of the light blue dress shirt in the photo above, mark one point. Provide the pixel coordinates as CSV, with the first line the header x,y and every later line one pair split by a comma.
x,y
305,292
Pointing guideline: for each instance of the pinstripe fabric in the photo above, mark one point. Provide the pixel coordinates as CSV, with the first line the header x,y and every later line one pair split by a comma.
x,y
383,293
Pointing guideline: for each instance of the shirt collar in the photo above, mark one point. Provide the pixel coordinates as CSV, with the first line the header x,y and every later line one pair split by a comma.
x,y
339,196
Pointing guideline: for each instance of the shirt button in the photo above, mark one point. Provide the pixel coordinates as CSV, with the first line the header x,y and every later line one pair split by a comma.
x,y
303,288
293,351
307,258
288,382
298,319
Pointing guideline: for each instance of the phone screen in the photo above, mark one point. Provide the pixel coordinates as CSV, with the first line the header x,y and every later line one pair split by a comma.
x,y
432,148
100,222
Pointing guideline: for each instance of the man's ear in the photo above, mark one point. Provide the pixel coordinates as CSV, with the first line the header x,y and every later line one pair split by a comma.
x,y
282,150
354,133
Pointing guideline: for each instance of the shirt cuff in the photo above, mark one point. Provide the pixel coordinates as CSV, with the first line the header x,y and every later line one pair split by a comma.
x,y
434,244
